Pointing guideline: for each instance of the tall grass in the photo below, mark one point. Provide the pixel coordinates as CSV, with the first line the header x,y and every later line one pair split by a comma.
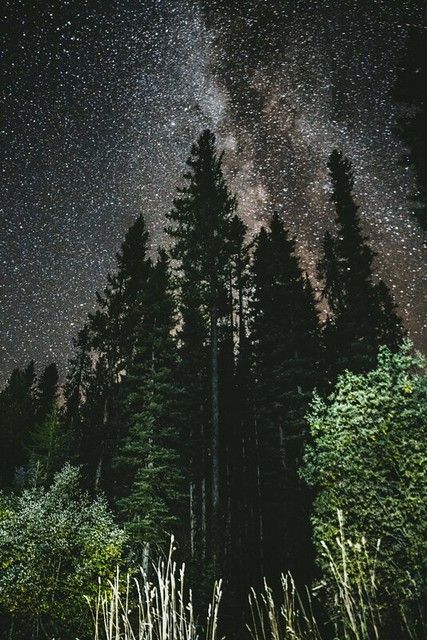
x,y
159,607
356,613
288,619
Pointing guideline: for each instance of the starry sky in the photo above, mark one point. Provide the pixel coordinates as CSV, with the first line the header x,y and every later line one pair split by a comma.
x,y
101,101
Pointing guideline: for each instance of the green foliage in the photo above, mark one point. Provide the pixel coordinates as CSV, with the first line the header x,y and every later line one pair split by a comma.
x,y
368,459
148,462
48,446
54,544
357,614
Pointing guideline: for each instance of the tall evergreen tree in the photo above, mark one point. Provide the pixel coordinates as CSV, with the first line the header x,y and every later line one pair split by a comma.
x,y
112,331
75,388
95,424
240,486
363,314
411,90
200,226
47,392
17,418
48,446
286,345
149,458
114,324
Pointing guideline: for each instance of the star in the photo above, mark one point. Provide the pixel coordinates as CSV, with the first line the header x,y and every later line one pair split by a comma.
x,y
102,102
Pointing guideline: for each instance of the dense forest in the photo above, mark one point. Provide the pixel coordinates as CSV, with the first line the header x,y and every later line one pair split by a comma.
x,y
215,395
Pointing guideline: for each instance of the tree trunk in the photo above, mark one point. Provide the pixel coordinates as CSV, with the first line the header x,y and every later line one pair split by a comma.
x,y
215,409
215,489
98,471
192,520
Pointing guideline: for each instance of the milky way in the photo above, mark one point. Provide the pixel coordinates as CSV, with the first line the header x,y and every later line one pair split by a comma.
x,y
103,100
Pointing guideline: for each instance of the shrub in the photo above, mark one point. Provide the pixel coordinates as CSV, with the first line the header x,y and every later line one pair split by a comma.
x,y
54,544
368,459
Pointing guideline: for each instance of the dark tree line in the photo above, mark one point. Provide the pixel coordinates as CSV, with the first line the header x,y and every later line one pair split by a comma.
x,y
186,395
410,91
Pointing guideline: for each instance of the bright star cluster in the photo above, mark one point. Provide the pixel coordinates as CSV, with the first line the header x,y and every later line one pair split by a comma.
x,y
103,99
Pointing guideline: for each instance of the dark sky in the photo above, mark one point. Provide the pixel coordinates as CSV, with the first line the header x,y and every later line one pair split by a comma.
x,y
102,100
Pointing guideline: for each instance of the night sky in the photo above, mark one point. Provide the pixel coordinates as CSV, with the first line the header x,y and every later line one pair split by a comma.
x,y
101,102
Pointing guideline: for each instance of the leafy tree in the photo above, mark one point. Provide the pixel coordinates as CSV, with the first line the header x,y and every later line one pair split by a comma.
x,y
149,458
54,544
367,458
286,346
411,91
363,314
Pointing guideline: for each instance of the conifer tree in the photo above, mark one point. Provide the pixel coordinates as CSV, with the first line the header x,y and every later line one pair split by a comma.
x,y
48,446
411,91
47,392
241,565
363,314
95,424
17,418
113,325
75,388
200,226
286,345
112,331
149,458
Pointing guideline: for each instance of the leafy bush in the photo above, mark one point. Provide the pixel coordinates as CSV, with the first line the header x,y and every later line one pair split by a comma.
x,y
54,544
368,459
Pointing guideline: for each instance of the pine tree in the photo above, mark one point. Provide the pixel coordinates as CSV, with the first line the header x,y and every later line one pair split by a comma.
x,y
47,392
17,417
112,331
411,91
286,345
149,458
200,228
95,425
363,315
241,558
114,324
48,448
75,388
